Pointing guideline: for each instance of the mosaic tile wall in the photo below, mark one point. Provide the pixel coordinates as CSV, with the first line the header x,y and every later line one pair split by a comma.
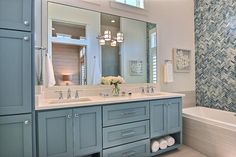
x,y
215,33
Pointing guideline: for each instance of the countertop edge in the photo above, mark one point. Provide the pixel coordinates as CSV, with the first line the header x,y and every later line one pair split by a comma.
x,y
106,101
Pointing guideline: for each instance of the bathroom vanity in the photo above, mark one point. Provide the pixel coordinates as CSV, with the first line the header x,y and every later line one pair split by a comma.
x,y
91,126
109,127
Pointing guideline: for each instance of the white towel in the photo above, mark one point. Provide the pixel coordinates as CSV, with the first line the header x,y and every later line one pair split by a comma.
x,y
170,140
163,143
96,73
155,146
49,72
168,72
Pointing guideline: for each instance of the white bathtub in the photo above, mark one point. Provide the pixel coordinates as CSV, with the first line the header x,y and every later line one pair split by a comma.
x,y
210,131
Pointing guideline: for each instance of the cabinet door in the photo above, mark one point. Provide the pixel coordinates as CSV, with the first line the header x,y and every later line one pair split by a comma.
x,y
15,14
15,71
174,115
87,131
158,118
55,134
16,136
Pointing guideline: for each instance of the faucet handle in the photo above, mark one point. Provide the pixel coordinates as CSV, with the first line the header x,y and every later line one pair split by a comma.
x,y
60,94
142,90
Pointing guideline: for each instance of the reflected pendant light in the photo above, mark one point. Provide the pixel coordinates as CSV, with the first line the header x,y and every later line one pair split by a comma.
x,y
102,41
113,43
107,35
120,37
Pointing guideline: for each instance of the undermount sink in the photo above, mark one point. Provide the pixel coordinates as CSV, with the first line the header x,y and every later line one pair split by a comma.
x,y
58,101
154,94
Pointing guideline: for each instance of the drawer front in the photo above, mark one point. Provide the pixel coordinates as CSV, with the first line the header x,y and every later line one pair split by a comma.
x,y
137,149
121,134
124,113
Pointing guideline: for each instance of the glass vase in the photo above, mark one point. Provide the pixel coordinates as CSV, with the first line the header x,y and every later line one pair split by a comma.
x,y
116,90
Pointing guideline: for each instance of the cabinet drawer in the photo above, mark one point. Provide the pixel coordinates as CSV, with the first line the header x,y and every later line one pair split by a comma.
x,y
125,133
124,113
137,149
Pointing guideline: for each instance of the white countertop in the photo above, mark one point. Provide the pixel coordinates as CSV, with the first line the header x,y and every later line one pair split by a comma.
x,y
99,100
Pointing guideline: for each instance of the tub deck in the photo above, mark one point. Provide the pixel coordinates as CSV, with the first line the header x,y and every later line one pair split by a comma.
x,y
209,132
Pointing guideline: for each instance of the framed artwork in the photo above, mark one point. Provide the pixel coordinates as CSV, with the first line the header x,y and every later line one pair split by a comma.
x,y
135,67
182,60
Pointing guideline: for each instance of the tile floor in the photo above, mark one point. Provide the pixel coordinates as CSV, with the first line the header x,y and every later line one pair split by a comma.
x,y
184,151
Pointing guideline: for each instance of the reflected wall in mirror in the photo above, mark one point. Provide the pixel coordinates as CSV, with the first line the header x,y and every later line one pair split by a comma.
x,y
78,57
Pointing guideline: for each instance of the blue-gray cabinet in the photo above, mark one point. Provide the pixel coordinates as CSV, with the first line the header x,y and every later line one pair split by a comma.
x,y
15,14
16,136
126,133
136,149
15,70
87,130
174,115
69,132
55,133
111,130
125,113
165,116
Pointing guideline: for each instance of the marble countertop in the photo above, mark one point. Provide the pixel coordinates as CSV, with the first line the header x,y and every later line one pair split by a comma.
x,y
99,100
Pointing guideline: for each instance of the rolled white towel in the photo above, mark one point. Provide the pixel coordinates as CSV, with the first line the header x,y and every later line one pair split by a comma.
x,y
163,143
170,140
155,146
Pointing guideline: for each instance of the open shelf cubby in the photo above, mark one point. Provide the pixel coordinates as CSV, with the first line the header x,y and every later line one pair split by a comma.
x,y
178,141
93,155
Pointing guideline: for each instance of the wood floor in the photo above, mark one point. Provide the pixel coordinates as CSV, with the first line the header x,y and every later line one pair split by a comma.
x,y
184,151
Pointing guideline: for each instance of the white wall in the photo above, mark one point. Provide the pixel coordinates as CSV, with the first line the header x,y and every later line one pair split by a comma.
x,y
175,20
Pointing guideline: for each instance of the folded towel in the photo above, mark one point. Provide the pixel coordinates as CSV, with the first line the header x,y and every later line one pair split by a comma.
x,y
163,143
155,146
49,72
170,140
96,72
168,72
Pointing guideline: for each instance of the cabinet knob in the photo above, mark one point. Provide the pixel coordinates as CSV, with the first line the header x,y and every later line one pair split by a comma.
x,y
26,38
69,116
26,122
76,115
26,23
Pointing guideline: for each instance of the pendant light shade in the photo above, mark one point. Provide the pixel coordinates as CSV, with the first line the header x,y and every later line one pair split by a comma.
x,y
113,43
120,37
107,35
102,41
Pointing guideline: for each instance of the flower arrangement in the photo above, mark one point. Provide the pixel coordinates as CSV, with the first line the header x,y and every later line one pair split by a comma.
x,y
113,80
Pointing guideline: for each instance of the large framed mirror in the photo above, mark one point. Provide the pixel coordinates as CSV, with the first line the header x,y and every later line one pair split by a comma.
x,y
80,53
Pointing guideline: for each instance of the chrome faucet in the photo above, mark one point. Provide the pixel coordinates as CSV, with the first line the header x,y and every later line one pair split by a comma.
x,y
142,90
68,93
77,94
148,89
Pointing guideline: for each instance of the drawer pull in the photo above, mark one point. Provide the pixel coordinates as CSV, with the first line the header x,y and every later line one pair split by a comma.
x,y
130,113
128,134
128,154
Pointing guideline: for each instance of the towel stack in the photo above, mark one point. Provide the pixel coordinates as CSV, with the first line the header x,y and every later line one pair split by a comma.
x,y
162,143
